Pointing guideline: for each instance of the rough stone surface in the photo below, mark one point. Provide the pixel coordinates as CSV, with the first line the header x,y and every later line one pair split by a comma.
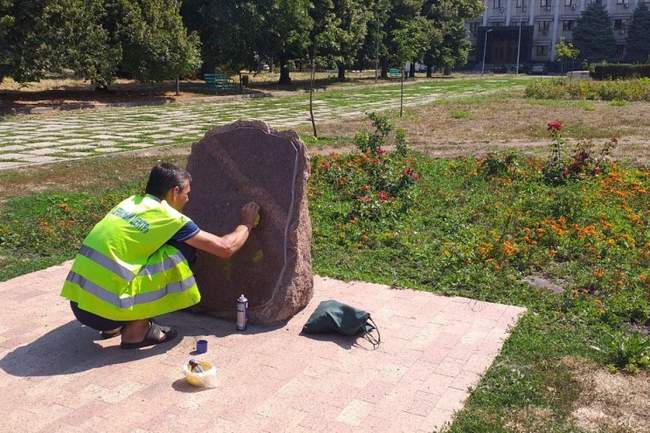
x,y
248,161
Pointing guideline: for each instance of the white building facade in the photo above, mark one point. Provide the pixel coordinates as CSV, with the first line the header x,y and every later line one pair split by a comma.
x,y
534,27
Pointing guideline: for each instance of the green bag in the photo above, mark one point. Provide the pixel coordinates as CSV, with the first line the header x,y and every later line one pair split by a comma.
x,y
335,317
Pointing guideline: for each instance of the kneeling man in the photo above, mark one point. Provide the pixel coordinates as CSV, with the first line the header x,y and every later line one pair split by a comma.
x,y
133,265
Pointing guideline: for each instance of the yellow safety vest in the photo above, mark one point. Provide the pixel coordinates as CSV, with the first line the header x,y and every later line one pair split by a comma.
x,y
125,271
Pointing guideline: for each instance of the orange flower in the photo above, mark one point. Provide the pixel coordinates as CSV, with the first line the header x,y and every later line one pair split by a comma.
x,y
509,248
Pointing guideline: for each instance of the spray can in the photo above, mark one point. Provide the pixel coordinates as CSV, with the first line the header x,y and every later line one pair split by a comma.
x,y
242,313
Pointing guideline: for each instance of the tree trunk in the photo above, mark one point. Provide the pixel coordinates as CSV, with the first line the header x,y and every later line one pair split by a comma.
x,y
311,97
401,92
429,71
384,69
412,70
284,74
178,86
341,67
447,70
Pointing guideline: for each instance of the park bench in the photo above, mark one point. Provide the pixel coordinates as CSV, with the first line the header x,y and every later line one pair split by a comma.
x,y
394,73
219,82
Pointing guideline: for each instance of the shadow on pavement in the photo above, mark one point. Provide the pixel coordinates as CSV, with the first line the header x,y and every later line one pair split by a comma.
x,y
71,348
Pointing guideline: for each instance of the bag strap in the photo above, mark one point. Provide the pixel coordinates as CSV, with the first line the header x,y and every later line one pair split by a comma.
x,y
375,341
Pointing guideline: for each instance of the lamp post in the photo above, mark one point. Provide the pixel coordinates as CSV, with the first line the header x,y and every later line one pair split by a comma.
x,y
518,48
484,49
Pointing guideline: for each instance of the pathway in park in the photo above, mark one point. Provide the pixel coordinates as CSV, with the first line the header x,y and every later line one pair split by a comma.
x,y
85,133
55,378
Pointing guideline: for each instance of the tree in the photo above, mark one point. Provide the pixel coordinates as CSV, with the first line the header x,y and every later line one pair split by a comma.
x,y
154,41
229,32
565,51
402,25
97,39
411,39
285,32
374,44
451,48
353,16
593,35
637,48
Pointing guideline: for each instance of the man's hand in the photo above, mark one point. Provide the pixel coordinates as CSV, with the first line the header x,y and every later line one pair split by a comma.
x,y
249,214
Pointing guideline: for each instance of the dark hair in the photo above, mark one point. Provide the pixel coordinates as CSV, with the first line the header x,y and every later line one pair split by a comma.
x,y
165,176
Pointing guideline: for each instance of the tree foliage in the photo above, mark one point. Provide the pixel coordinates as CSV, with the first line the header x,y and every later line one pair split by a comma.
x,y
96,39
451,47
593,35
638,36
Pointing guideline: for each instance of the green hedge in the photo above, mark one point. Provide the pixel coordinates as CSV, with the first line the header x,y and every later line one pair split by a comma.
x,y
620,71
562,88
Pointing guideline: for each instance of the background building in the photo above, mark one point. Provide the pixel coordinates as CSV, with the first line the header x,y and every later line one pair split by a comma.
x,y
543,23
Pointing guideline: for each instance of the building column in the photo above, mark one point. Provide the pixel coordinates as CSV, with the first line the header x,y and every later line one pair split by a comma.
x,y
508,11
556,27
531,11
485,13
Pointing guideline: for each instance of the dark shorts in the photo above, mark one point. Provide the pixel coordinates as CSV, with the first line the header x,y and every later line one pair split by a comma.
x,y
102,324
93,321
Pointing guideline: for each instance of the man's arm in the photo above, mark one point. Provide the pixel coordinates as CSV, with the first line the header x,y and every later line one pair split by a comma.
x,y
226,246
222,247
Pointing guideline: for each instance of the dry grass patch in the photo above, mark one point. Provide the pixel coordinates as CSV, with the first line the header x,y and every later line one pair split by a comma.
x,y
509,121
95,173
610,402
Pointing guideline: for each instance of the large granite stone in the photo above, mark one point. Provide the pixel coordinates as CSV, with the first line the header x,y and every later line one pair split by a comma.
x,y
232,165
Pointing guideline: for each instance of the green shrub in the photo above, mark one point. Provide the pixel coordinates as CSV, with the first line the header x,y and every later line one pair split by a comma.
x,y
629,352
620,71
562,88
583,161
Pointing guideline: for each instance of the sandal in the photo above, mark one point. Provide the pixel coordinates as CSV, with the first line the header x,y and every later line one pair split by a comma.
x,y
105,335
150,337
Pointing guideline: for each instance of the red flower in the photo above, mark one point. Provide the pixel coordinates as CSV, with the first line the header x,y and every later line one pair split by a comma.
x,y
554,125
408,171
365,187
383,196
326,165
380,151
364,199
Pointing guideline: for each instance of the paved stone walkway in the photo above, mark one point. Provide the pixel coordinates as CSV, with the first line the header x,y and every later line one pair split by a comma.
x,y
85,133
55,378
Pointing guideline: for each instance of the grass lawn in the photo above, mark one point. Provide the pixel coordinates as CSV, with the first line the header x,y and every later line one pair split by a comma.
x,y
460,231
477,124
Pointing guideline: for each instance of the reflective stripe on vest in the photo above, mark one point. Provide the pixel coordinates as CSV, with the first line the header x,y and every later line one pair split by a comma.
x,y
106,262
169,263
122,272
129,301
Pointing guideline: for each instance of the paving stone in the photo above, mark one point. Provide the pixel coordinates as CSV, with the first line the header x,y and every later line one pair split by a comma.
x,y
5,165
41,159
263,385
74,141
75,154
12,148
106,143
78,147
40,144
138,145
108,149
18,156
43,151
